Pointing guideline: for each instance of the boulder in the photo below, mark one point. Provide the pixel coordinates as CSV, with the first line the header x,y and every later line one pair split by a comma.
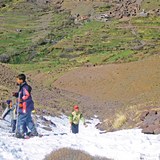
x,y
150,122
4,58
137,48
147,131
150,129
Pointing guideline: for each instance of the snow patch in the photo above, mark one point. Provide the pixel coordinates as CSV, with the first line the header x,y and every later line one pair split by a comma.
x,y
128,144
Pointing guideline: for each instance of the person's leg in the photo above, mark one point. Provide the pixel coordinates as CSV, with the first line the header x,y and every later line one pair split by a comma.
x,y
25,129
75,128
20,126
30,124
13,124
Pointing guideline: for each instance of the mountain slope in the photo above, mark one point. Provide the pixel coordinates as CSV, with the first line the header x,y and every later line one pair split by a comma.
x,y
45,40
118,91
122,82
52,33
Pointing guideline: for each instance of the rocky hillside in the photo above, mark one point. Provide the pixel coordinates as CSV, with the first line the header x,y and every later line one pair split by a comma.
x,y
58,31
104,58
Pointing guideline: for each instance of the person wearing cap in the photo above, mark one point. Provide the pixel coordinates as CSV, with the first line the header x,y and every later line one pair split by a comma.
x,y
74,119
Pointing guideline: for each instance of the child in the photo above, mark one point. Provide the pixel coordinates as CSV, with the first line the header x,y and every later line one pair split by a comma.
x,y
26,106
74,119
11,109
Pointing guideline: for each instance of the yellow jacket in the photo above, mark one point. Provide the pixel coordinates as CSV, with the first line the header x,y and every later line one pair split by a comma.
x,y
75,117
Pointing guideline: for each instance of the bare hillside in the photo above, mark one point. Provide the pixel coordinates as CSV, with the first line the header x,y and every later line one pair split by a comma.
x,y
108,91
118,82
117,93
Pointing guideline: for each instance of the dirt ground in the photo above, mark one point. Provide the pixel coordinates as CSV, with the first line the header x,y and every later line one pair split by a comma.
x,y
115,89
76,6
136,81
103,90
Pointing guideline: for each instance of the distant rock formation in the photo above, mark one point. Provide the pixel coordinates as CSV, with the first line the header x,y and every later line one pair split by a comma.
x,y
143,14
125,8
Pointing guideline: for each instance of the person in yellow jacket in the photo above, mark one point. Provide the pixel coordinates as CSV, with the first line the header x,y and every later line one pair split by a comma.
x,y
74,119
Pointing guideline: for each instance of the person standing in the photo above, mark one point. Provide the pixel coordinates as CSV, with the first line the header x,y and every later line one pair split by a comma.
x,y
74,119
26,106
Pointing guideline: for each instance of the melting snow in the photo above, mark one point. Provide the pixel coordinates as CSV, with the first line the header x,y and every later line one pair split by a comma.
x,y
121,145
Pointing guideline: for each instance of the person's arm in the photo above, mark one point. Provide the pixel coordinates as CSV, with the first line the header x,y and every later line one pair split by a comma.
x,y
83,120
70,118
26,94
6,112
15,94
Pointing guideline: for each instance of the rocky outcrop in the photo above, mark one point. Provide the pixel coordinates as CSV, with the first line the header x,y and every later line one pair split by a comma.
x,y
125,8
4,58
150,122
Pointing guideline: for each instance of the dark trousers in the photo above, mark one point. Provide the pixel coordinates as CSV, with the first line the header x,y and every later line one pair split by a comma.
x,y
13,125
75,128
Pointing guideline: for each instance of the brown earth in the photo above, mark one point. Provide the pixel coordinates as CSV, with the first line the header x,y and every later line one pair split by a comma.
x,y
7,81
116,93
129,82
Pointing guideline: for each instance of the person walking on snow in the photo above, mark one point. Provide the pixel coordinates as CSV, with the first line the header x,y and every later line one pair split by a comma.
x,y
26,106
11,109
74,119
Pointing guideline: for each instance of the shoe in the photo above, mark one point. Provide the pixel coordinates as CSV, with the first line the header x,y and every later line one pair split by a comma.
x,y
32,134
19,135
